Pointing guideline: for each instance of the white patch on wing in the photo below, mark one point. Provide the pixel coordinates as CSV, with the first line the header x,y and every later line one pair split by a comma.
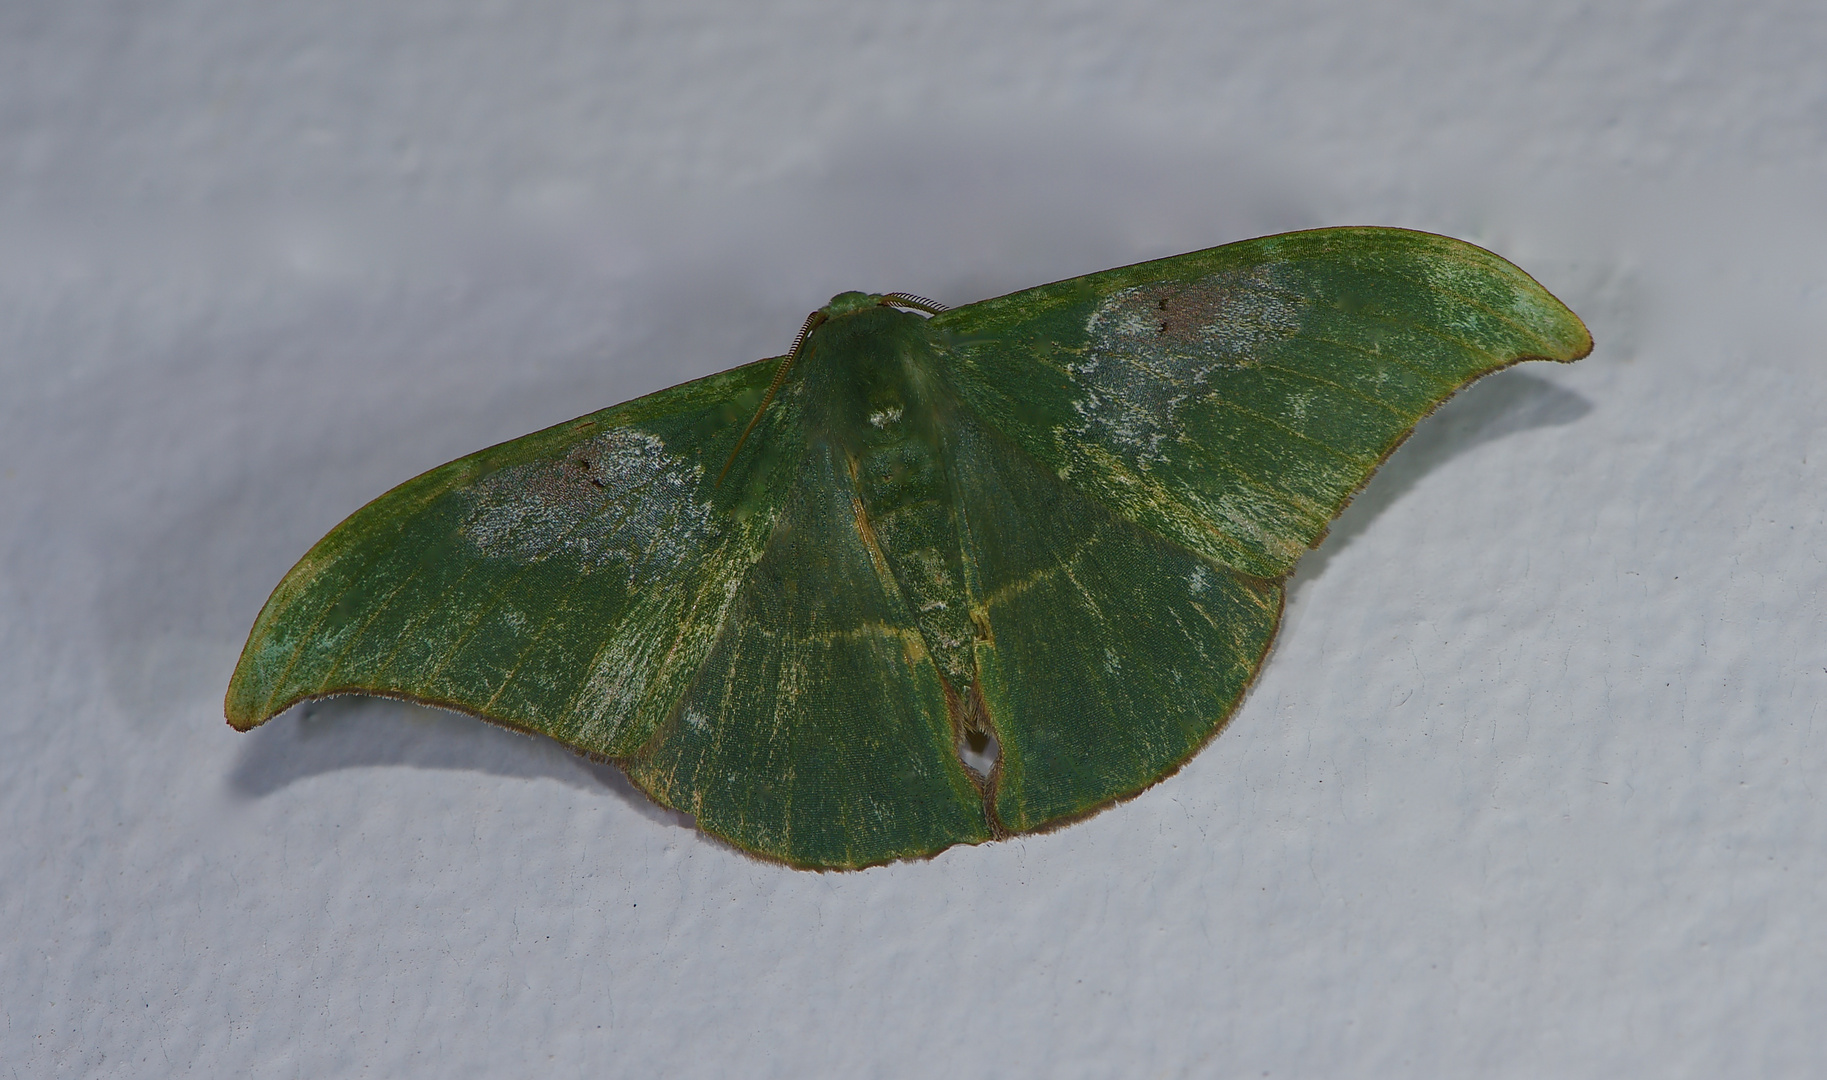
x,y
618,498
1153,347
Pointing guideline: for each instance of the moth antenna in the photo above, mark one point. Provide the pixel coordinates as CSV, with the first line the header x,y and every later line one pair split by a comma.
x,y
909,300
813,321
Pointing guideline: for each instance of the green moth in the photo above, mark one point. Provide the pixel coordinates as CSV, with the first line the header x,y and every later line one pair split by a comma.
x,y
1056,523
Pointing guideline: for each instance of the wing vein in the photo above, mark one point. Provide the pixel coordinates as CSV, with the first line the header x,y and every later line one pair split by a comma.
x,y
1342,388
305,638
355,638
1431,286
1334,451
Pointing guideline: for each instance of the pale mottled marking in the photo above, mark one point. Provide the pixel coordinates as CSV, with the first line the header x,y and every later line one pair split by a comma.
x,y
1472,287
617,498
1152,347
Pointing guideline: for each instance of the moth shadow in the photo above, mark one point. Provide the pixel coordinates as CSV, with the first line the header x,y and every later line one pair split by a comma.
x,y
1493,408
356,732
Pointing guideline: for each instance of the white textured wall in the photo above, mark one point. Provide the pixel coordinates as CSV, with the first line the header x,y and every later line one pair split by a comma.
x,y
1532,784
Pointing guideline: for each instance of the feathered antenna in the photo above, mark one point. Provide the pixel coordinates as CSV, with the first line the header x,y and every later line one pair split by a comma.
x,y
909,300
813,321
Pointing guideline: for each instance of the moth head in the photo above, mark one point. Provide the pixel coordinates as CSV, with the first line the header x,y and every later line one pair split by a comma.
x,y
846,302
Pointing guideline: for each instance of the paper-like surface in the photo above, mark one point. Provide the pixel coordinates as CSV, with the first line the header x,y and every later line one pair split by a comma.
x,y
1531,784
